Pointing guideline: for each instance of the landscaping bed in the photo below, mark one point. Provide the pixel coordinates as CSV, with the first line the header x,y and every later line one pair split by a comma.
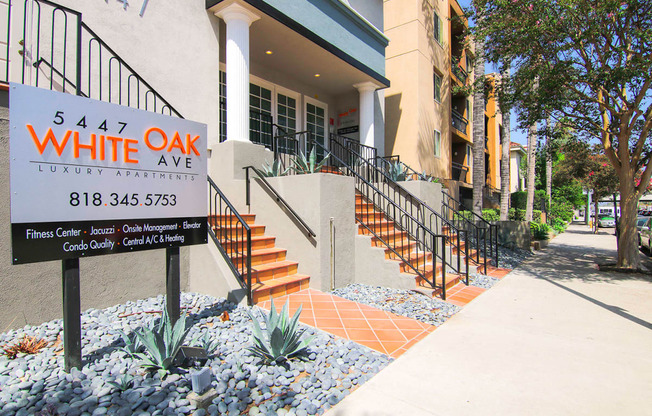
x,y
33,383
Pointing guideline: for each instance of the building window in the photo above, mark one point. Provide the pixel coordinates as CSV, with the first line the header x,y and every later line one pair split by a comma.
x,y
222,106
469,64
286,110
437,83
437,143
469,155
438,28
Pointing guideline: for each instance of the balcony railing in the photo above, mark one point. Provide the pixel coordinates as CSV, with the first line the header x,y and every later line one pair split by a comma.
x,y
459,122
459,172
459,72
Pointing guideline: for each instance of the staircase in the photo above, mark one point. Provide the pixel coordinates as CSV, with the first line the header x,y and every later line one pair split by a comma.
x,y
272,275
399,246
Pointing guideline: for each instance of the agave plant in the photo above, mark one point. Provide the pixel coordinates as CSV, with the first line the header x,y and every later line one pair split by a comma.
x,y
123,383
397,171
274,170
423,176
281,340
162,343
132,343
308,165
209,345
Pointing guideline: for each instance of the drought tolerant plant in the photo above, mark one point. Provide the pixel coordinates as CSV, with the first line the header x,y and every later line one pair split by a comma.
x,y
397,171
281,340
274,170
162,343
123,383
209,345
132,343
309,164
27,345
539,231
423,176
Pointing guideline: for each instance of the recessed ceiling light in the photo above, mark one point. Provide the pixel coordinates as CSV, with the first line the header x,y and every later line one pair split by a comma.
x,y
269,52
317,75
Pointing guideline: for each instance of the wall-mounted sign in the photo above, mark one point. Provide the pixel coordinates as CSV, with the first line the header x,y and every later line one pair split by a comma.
x,y
90,178
348,130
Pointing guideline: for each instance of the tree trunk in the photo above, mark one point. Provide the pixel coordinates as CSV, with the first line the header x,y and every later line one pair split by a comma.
x,y
628,255
548,166
506,165
479,176
531,164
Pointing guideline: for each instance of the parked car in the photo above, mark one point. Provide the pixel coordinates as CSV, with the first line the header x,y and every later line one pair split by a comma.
x,y
606,220
645,235
640,221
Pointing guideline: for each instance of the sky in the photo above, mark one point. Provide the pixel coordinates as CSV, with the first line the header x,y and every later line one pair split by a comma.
x,y
517,135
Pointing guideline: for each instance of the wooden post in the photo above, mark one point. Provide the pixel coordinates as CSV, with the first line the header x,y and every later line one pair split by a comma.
x,y
71,314
173,284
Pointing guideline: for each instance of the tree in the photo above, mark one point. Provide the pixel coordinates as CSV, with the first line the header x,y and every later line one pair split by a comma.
x,y
479,175
531,164
505,162
592,60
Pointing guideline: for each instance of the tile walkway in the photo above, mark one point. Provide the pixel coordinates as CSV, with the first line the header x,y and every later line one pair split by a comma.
x,y
382,331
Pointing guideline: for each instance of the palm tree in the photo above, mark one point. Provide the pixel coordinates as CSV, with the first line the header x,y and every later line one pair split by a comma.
x,y
531,163
505,166
478,128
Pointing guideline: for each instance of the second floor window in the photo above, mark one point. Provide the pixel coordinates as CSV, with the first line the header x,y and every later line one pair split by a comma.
x,y
437,83
437,143
438,28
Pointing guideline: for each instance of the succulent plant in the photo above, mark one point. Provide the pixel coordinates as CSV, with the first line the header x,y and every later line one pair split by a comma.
x,y
123,383
309,164
209,345
275,169
281,339
397,171
162,343
132,343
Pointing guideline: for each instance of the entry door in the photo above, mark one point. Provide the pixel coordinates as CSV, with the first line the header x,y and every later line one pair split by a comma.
x,y
260,115
317,123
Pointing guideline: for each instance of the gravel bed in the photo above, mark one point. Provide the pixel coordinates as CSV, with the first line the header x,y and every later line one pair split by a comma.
x,y
408,303
481,280
510,258
37,383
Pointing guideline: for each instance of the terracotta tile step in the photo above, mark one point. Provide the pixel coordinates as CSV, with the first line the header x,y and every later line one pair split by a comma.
x,y
390,237
377,226
230,219
330,169
370,216
281,286
402,247
268,271
451,280
364,207
265,255
232,229
418,260
258,242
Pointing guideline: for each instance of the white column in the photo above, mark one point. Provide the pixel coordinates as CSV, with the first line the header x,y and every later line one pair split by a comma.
x,y
238,19
366,90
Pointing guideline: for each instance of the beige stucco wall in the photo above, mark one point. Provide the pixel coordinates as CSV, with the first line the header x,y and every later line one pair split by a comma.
x,y
32,293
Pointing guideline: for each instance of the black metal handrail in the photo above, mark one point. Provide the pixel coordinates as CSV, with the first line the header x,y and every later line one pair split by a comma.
x,y
278,197
71,52
367,152
232,235
459,72
395,227
418,208
453,209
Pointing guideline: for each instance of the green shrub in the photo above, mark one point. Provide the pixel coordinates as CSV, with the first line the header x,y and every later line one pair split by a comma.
x,y
561,209
491,214
558,225
539,231
519,215
519,199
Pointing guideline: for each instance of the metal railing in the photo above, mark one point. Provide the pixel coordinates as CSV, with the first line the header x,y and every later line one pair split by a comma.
x,y
483,234
278,197
366,152
459,72
458,122
459,172
232,235
63,54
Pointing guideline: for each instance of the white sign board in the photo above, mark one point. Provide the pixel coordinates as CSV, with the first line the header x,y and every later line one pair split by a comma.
x,y
88,177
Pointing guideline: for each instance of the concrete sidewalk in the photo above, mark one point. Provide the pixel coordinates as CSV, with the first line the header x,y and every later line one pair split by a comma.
x,y
554,337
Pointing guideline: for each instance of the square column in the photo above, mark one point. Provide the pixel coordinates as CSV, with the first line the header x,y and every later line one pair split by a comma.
x,y
237,19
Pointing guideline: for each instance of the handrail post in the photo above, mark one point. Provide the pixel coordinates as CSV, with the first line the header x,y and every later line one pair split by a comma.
x,y
250,299
466,254
496,242
443,271
484,240
247,186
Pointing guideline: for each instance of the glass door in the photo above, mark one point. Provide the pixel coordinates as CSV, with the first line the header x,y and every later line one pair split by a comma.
x,y
260,115
316,124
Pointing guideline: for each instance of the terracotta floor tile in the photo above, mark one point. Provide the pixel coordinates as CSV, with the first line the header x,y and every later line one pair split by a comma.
x,y
374,345
404,324
398,353
348,305
375,314
325,313
457,302
391,346
340,332
392,335
382,324
329,322
411,334
356,334
355,323
323,304
308,321
350,314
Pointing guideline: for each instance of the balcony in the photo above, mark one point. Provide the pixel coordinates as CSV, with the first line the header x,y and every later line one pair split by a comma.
x,y
459,172
459,122
459,73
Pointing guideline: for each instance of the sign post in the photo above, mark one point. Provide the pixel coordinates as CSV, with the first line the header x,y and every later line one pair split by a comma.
x,y
90,178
